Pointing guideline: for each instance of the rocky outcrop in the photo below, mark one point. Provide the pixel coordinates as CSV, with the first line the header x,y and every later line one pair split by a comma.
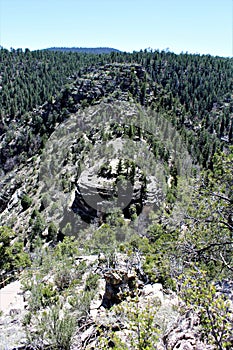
x,y
185,334
62,193
99,191
121,282
179,330
125,280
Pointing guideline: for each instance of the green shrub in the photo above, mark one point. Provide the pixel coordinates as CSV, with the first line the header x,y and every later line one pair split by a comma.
x,y
55,327
91,281
69,247
26,202
37,224
140,322
42,295
52,232
12,255
103,240
201,295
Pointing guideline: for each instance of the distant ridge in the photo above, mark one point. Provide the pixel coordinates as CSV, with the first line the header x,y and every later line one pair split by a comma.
x,y
94,50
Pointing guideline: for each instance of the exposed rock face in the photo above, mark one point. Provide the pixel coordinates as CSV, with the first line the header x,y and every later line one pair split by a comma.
x,y
124,281
119,283
225,287
99,191
185,334
13,186
109,79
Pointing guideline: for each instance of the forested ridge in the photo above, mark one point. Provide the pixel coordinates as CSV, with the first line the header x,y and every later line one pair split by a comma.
x,y
95,50
194,91
62,112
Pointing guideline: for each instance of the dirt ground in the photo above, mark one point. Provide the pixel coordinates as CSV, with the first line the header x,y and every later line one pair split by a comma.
x,y
11,297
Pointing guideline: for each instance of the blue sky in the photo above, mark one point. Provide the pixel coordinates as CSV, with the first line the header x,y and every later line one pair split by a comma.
x,y
197,26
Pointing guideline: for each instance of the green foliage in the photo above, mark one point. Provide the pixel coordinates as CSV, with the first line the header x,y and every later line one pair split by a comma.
x,y
103,240
207,238
198,230
69,247
6,235
26,202
194,94
54,276
12,255
55,327
157,249
42,295
201,112
66,275
52,232
91,281
37,224
139,320
201,295
81,303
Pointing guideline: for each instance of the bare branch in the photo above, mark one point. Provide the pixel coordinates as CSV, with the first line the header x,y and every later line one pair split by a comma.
x,y
225,263
199,251
221,197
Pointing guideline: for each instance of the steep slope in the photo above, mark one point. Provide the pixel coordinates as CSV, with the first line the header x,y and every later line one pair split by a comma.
x,y
113,115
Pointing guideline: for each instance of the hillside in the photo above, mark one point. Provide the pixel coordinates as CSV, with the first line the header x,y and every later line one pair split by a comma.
x,y
116,199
